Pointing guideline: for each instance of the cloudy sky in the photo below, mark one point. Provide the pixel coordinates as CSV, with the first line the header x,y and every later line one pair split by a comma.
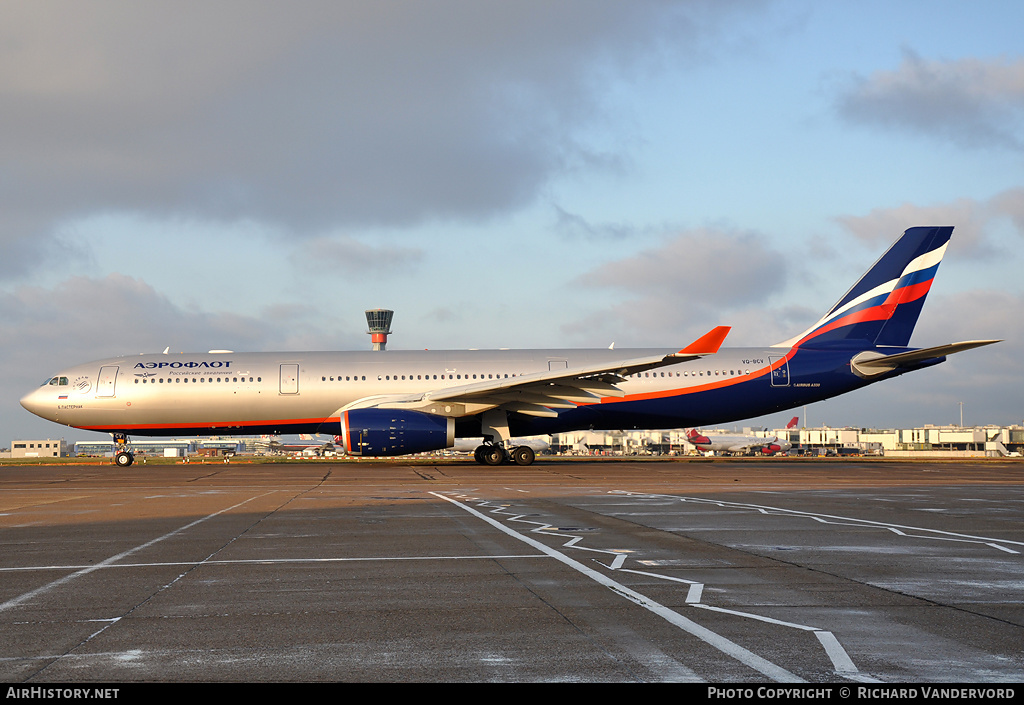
x,y
560,173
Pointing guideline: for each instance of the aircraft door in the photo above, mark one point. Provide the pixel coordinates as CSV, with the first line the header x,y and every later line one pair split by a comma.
x,y
106,381
289,379
780,375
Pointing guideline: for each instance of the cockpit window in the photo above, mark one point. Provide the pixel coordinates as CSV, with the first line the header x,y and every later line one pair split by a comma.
x,y
54,381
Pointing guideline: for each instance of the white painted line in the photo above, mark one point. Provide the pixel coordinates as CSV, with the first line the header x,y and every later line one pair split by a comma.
x,y
759,618
271,561
730,648
1003,548
15,601
837,654
824,518
662,577
840,659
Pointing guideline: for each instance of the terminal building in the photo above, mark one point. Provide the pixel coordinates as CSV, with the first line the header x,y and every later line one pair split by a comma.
x,y
922,442
173,447
46,448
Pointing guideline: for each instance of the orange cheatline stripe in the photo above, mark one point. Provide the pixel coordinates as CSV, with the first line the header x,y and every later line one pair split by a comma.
x,y
206,424
683,391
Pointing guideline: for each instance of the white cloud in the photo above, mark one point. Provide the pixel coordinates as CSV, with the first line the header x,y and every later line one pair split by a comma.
x,y
684,285
86,319
971,102
310,117
973,221
353,256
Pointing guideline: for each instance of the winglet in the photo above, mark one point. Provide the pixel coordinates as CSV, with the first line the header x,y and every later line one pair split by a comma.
x,y
707,344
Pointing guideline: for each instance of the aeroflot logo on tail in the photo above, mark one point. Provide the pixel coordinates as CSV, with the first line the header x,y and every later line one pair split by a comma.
x,y
176,365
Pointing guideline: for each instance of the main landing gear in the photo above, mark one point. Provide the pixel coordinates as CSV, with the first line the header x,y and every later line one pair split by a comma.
x,y
123,455
490,454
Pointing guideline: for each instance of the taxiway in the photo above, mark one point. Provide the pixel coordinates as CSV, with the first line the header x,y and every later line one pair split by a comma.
x,y
723,571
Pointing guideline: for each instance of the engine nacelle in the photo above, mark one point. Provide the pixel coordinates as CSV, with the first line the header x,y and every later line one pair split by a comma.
x,y
395,432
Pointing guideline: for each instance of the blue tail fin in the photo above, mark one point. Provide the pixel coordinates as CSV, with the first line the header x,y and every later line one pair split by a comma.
x,y
883,306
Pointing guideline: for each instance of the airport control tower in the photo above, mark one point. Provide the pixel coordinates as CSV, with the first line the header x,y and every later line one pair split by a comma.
x,y
379,322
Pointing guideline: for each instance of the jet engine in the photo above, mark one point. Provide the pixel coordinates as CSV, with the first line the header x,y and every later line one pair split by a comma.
x,y
395,432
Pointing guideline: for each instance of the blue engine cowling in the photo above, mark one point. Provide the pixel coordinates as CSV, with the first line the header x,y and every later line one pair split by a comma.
x,y
395,432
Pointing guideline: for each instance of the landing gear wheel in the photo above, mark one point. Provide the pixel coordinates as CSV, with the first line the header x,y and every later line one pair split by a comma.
x,y
492,455
523,455
123,459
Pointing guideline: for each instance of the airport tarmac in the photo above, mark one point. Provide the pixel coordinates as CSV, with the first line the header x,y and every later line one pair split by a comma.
x,y
720,571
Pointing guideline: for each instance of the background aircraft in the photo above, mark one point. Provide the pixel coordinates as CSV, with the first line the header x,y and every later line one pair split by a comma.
x,y
401,402
728,443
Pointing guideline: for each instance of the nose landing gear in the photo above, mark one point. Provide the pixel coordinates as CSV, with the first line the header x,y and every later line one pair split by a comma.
x,y
123,455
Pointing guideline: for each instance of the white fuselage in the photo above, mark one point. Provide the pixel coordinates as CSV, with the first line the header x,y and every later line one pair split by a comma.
x,y
300,392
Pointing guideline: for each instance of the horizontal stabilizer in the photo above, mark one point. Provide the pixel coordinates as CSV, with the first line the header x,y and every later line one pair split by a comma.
x,y
873,363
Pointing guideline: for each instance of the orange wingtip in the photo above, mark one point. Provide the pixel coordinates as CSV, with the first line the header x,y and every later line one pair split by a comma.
x,y
708,343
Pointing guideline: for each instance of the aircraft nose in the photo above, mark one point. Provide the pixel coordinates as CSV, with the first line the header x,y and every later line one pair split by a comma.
x,y
33,402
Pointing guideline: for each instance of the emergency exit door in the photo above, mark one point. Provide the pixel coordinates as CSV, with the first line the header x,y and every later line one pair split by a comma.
x,y
105,383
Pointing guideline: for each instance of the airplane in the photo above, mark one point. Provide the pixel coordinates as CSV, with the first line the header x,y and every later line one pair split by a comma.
x,y
395,403
306,443
724,443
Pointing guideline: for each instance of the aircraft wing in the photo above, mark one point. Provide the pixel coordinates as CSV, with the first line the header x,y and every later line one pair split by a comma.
x,y
541,393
